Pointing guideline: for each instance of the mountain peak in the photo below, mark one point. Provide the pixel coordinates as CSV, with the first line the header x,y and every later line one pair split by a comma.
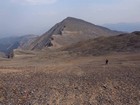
x,y
70,30
70,18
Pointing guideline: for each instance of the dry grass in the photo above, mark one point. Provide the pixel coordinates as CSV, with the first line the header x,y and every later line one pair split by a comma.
x,y
105,45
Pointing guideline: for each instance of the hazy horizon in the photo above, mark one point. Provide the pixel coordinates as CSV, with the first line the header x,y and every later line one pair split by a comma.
x,y
21,17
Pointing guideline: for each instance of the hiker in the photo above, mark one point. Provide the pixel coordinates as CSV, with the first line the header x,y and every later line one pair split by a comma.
x,y
106,61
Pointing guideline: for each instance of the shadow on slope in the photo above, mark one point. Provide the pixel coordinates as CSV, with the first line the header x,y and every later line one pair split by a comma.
x,y
104,45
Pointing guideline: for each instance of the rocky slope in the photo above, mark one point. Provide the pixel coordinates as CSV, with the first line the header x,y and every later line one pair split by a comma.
x,y
69,31
104,45
71,81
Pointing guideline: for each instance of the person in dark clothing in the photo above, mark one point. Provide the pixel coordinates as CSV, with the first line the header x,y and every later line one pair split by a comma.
x,y
106,61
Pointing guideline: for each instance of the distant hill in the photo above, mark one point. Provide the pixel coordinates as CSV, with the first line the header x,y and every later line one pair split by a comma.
x,y
9,43
124,27
105,45
69,31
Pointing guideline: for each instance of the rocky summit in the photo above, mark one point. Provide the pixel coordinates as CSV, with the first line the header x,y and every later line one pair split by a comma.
x,y
70,30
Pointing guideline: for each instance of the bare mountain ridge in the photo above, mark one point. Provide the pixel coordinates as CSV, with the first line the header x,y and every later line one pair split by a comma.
x,y
69,31
127,42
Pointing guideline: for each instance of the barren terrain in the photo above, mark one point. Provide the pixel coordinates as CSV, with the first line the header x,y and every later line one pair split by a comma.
x,y
64,79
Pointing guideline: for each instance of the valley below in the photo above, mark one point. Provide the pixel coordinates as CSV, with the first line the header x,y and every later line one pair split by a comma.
x,y
62,78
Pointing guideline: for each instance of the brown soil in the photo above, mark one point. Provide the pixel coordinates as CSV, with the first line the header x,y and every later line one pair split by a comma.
x,y
65,80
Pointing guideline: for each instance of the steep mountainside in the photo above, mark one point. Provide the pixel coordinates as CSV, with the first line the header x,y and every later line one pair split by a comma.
x,y
69,31
26,41
104,45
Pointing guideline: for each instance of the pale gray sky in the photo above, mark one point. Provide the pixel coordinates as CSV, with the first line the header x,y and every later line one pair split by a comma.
x,y
19,17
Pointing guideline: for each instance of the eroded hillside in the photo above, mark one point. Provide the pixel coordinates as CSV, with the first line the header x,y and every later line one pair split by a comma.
x,y
70,30
105,45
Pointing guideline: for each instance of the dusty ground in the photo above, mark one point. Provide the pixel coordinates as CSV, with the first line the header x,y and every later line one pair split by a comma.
x,y
66,80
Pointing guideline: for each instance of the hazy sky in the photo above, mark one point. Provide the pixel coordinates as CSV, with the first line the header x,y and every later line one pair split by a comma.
x,y
19,17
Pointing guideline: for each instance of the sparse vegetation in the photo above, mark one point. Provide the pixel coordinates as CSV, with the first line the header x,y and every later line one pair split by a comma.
x,y
105,45
60,80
